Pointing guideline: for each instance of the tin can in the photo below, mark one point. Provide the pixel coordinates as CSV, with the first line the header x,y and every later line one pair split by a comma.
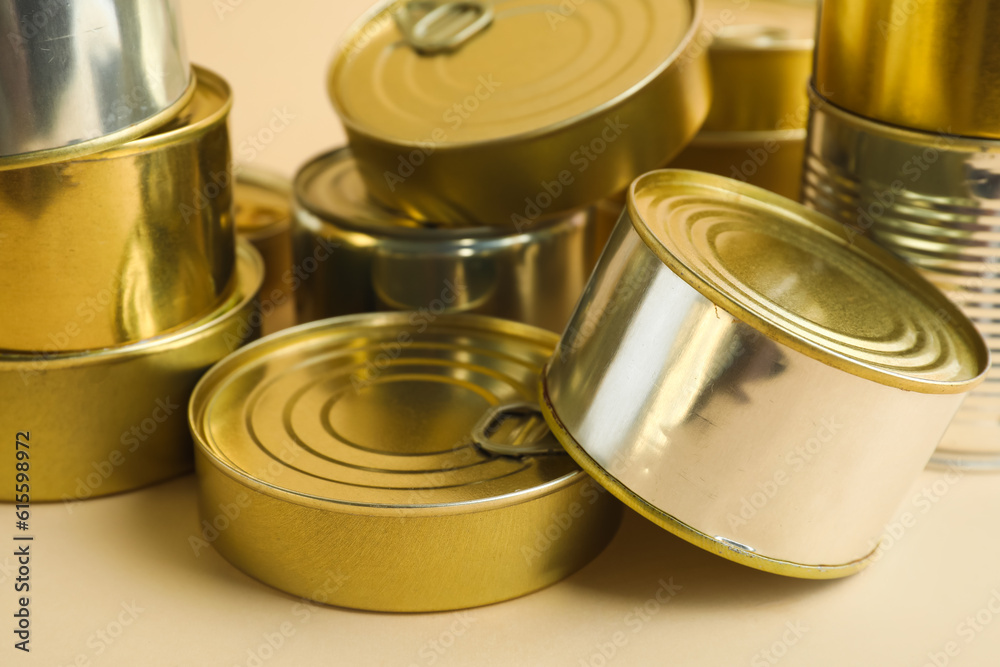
x,y
931,199
123,245
112,420
761,61
354,256
497,113
78,81
264,217
354,451
931,66
743,375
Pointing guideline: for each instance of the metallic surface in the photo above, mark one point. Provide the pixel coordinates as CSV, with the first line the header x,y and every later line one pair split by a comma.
x,y
744,376
263,216
123,245
353,255
933,66
540,112
351,439
80,77
932,199
113,420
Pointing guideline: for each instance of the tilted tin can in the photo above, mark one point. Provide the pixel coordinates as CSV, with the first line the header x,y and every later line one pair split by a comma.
x,y
79,78
932,66
353,256
112,420
932,199
122,245
496,113
761,60
742,374
263,216
359,454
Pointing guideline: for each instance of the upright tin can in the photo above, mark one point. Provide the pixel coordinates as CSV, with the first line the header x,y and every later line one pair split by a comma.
x,y
747,376
761,60
122,245
495,113
263,216
353,255
112,420
930,198
362,454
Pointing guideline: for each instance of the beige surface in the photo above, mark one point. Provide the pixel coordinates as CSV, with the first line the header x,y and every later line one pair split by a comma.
x,y
92,558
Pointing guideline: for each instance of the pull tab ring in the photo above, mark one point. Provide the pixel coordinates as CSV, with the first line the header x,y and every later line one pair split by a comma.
x,y
432,28
531,438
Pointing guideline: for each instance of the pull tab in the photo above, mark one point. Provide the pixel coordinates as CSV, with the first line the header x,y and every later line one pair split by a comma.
x,y
432,28
497,433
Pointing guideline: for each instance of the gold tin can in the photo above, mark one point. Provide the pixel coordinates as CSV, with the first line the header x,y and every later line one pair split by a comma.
x,y
354,256
743,375
264,217
125,244
761,61
112,420
933,66
500,112
930,199
348,448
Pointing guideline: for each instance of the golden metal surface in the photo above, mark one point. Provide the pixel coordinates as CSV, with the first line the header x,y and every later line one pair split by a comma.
x,y
122,245
933,66
929,199
347,446
113,420
354,256
263,216
543,110
752,381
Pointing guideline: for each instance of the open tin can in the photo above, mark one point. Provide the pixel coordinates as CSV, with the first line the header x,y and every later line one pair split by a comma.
x,y
761,61
495,113
124,245
80,77
363,464
112,420
743,375
354,255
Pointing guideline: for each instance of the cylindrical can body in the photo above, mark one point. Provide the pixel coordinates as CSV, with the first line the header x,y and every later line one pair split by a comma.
x,y
113,420
77,78
263,216
354,256
123,245
932,200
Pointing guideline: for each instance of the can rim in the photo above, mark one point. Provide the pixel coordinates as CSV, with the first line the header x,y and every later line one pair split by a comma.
x,y
694,29
205,389
823,224
106,142
265,179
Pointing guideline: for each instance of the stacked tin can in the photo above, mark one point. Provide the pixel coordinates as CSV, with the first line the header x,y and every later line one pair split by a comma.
x,y
904,146
121,280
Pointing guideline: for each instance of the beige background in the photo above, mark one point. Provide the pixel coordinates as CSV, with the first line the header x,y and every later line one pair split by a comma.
x,y
91,558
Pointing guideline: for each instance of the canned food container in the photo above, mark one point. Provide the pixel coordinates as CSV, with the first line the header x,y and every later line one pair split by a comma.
x,y
497,113
354,255
264,217
112,420
359,455
743,375
79,78
930,198
123,245
761,61
932,66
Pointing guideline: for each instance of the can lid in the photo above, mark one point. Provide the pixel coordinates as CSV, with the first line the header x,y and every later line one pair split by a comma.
x,y
761,60
807,281
263,203
376,414
458,73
